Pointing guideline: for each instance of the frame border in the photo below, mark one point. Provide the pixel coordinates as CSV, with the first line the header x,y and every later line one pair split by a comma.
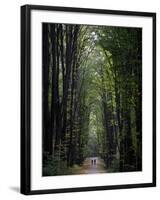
x,y
25,156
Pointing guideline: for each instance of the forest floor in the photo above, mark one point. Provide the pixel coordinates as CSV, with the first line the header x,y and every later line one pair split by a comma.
x,y
91,165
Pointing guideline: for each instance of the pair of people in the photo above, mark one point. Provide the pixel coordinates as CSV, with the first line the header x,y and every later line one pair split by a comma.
x,y
93,161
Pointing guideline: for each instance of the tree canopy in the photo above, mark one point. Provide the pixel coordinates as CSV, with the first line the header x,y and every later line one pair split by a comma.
x,y
92,97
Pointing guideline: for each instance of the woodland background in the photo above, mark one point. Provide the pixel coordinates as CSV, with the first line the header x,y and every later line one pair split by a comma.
x,y
92,97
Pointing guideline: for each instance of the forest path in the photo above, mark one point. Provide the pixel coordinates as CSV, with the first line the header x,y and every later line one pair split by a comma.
x,y
91,165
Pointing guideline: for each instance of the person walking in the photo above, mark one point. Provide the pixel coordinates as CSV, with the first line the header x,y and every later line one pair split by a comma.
x,y
91,161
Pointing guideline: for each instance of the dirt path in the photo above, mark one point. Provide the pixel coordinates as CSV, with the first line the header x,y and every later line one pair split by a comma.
x,y
91,165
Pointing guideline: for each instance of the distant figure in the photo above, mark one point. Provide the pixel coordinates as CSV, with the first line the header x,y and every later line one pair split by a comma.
x,y
91,161
94,161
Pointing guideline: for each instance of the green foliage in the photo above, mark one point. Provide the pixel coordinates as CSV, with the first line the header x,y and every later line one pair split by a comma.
x,y
114,167
94,97
54,167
